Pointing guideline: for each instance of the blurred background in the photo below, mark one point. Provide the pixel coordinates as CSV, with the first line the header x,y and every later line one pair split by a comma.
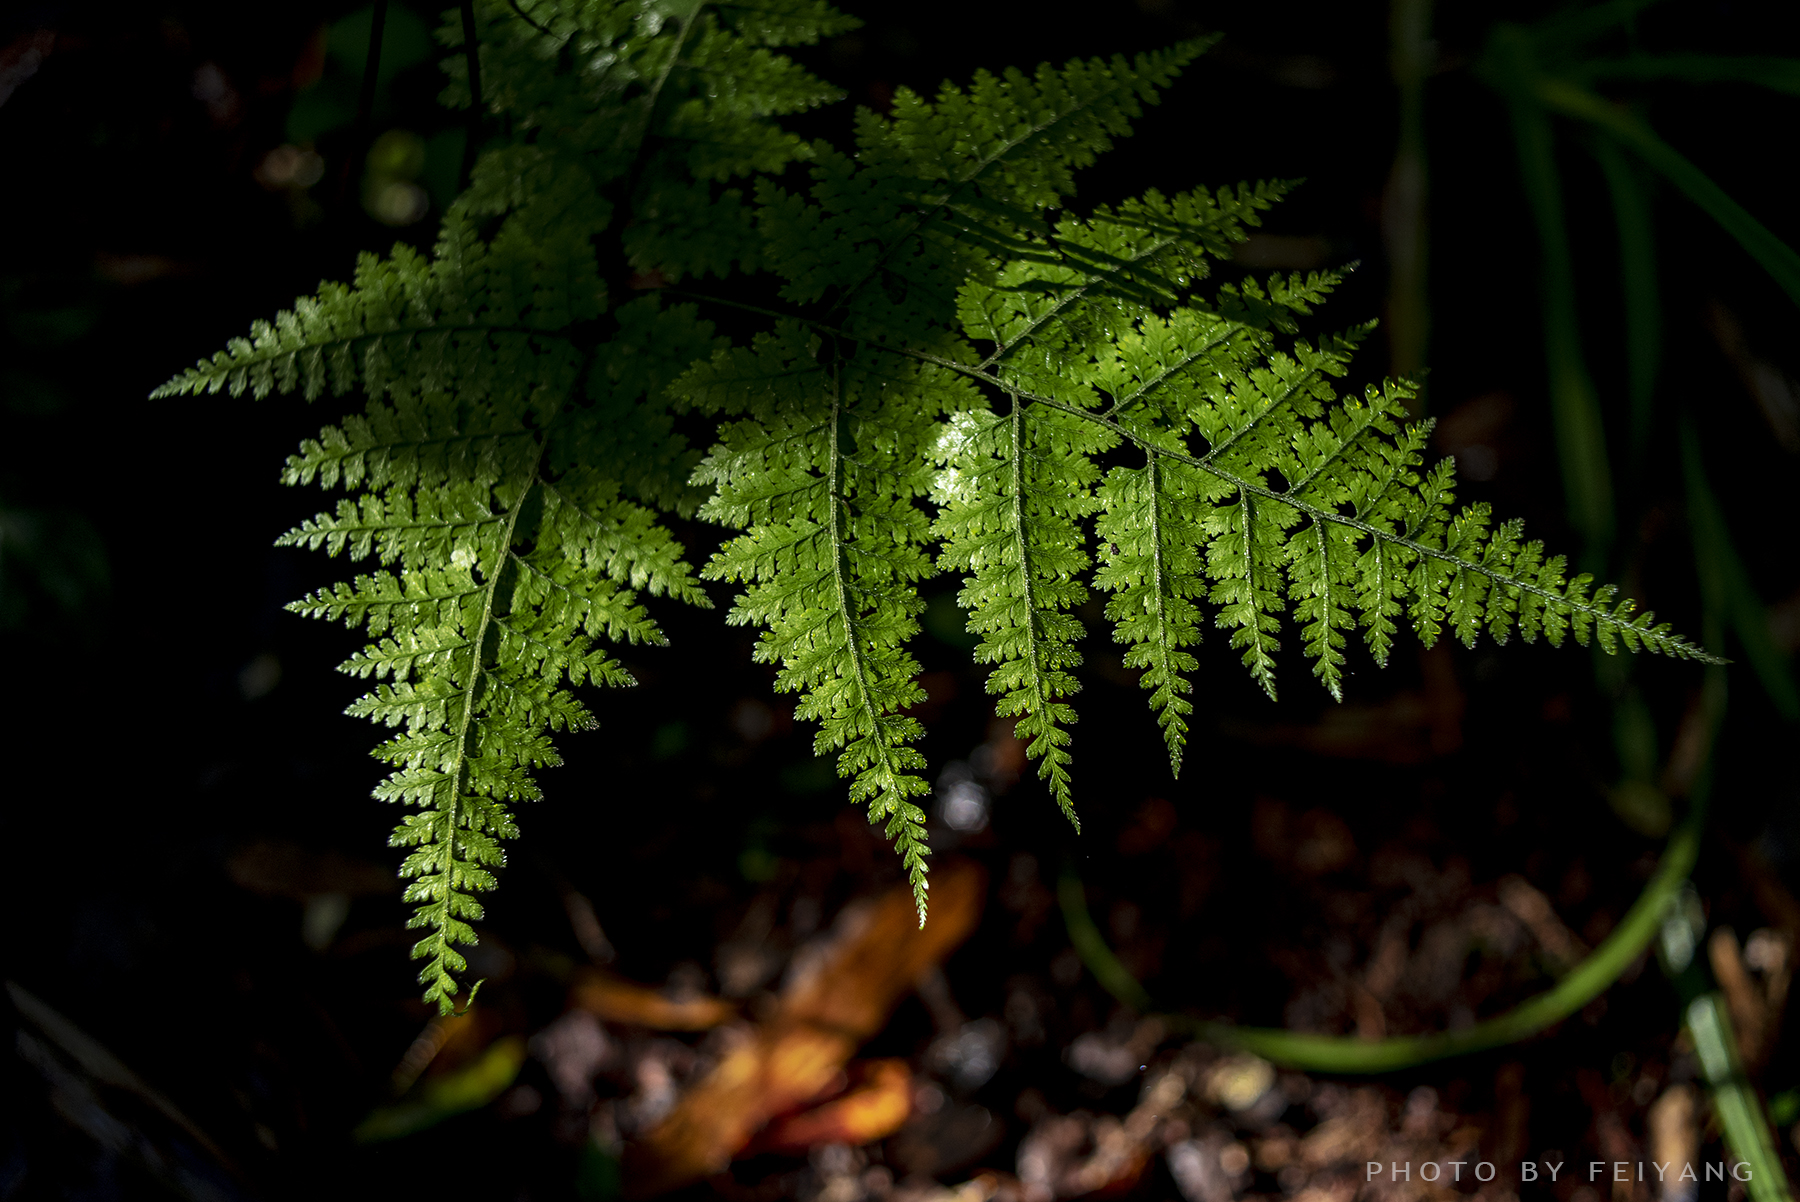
x,y
211,986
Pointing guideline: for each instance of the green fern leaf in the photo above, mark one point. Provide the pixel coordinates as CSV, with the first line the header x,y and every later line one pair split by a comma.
x,y
1151,528
823,468
961,354
518,422
1014,487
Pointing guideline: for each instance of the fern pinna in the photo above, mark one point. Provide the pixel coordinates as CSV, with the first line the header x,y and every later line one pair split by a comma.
x,y
957,374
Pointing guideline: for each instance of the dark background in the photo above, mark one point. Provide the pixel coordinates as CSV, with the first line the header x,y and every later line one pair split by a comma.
x,y
163,714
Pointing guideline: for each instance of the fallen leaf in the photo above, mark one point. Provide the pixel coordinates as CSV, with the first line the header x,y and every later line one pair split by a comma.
x,y
617,1000
877,1103
840,994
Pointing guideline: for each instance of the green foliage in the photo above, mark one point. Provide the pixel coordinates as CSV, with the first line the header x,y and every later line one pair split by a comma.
x,y
1548,69
965,376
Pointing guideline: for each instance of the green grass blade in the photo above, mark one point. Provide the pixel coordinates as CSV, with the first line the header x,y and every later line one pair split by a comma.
x,y
1739,1110
1723,570
1406,199
1777,74
465,1089
1643,304
1776,257
1580,430
1576,24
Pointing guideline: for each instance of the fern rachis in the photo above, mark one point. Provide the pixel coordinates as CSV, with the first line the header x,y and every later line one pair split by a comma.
x,y
957,374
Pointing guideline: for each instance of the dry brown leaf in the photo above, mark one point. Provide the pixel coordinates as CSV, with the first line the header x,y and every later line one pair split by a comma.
x,y
878,1103
617,1000
839,996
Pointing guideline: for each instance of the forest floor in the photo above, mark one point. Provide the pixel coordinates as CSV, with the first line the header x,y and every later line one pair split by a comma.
x,y
770,1022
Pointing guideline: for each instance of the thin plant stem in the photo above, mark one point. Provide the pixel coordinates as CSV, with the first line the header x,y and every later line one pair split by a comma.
x,y
472,56
1723,573
1336,1054
1735,1104
1091,946
1574,407
365,100
1643,302
1404,201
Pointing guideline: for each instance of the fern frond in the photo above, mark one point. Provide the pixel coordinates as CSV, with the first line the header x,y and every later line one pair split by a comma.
x,y
822,469
1263,495
518,424
1454,569
961,353
667,102
484,319
935,188
1014,487
1151,527
885,241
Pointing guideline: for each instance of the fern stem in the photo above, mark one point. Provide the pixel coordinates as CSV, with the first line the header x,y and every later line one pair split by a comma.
x,y
839,505
1378,646
1299,486
193,379
1237,435
549,582
1260,669
526,17
635,175
344,532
